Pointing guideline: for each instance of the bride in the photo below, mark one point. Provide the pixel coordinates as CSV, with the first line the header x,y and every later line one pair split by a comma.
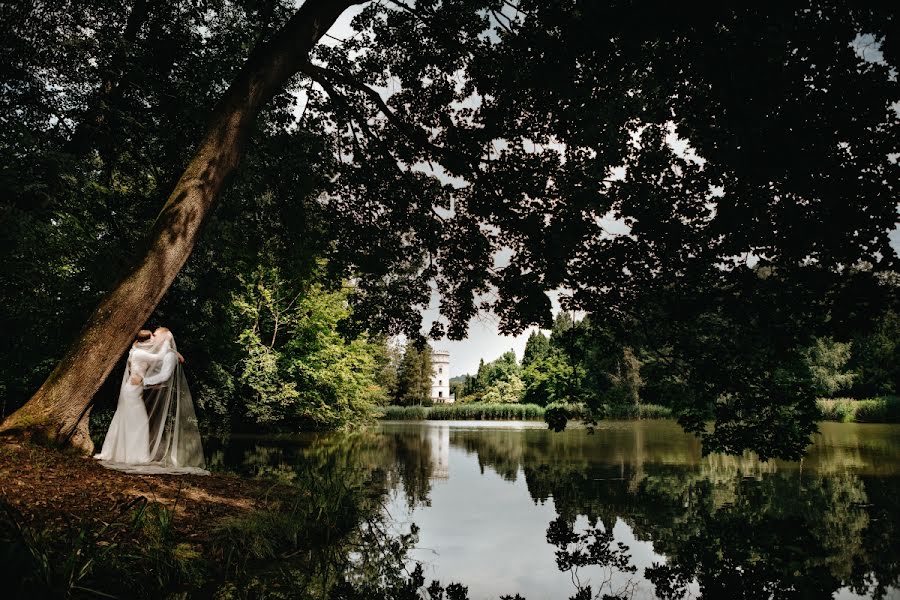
x,y
154,429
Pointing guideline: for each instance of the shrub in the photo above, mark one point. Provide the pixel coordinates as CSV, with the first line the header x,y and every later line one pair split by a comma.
x,y
884,409
472,411
505,391
482,411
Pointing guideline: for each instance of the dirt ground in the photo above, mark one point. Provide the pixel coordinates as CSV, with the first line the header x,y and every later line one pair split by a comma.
x,y
55,489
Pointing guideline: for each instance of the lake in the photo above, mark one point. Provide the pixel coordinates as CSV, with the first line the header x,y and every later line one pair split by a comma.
x,y
631,510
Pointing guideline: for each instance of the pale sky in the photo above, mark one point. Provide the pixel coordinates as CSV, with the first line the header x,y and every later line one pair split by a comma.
x,y
484,340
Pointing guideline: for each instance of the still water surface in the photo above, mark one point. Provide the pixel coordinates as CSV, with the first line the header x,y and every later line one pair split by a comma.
x,y
631,510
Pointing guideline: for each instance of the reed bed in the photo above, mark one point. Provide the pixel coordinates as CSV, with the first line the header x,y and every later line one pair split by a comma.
x,y
640,411
486,412
475,411
405,413
479,411
883,409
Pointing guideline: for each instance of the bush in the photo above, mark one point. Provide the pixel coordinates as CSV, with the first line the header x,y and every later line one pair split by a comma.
x,y
884,409
827,361
505,391
654,411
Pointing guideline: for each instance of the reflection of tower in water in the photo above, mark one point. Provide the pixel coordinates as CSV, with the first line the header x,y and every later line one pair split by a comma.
x,y
439,437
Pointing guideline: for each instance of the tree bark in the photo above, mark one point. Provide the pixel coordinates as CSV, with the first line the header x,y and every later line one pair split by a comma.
x,y
58,411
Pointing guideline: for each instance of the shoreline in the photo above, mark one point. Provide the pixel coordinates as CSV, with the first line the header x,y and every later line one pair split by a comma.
x,y
882,409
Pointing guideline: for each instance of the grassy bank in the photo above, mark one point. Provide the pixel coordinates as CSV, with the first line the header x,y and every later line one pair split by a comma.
x,y
883,409
477,411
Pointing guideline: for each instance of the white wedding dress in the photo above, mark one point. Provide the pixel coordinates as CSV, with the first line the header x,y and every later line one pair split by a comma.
x,y
154,429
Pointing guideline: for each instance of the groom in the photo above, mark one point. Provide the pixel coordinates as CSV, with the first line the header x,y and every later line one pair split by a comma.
x,y
168,360
144,335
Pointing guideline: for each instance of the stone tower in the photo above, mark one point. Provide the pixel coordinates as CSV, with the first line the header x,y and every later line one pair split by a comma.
x,y
440,377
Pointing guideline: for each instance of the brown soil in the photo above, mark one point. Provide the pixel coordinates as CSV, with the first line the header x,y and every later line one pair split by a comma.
x,y
53,489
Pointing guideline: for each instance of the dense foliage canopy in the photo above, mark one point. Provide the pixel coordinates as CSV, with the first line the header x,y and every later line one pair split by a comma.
x,y
726,175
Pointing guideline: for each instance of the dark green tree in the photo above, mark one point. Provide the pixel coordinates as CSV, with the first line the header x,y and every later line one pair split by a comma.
x,y
876,357
536,347
414,375
388,359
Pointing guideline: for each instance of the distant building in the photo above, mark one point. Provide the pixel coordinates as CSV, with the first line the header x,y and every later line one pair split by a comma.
x,y
440,377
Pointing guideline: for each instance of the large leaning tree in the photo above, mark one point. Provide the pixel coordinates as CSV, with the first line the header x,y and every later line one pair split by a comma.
x,y
730,168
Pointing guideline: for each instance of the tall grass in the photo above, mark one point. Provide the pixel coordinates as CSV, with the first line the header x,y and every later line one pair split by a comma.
x,y
883,409
475,411
486,411
405,413
134,554
478,411
640,411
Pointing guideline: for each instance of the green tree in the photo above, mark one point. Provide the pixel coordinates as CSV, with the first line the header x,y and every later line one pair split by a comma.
x,y
828,361
505,391
626,380
876,357
414,375
536,347
387,361
457,387
480,381
562,326
502,369
552,379
296,369
57,412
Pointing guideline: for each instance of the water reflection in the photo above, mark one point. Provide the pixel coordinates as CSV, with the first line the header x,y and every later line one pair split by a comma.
x,y
633,510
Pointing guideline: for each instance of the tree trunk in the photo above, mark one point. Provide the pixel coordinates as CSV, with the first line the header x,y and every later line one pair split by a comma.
x,y
58,412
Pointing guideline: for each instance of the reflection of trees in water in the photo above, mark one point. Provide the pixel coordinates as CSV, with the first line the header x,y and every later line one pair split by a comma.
x,y
344,544
753,538
738,527
503,454
731,525
400,460
595,547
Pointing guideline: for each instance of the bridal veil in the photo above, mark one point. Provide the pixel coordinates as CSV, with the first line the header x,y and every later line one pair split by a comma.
x,y
174,441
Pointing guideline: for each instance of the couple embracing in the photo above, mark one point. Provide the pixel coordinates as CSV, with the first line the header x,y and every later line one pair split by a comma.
x,y
154,429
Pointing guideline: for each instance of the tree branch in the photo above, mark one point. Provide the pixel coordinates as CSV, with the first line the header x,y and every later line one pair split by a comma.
x,y
338,98
413,133
504,26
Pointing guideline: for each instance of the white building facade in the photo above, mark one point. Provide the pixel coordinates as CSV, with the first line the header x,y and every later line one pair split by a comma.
x,y
440,377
